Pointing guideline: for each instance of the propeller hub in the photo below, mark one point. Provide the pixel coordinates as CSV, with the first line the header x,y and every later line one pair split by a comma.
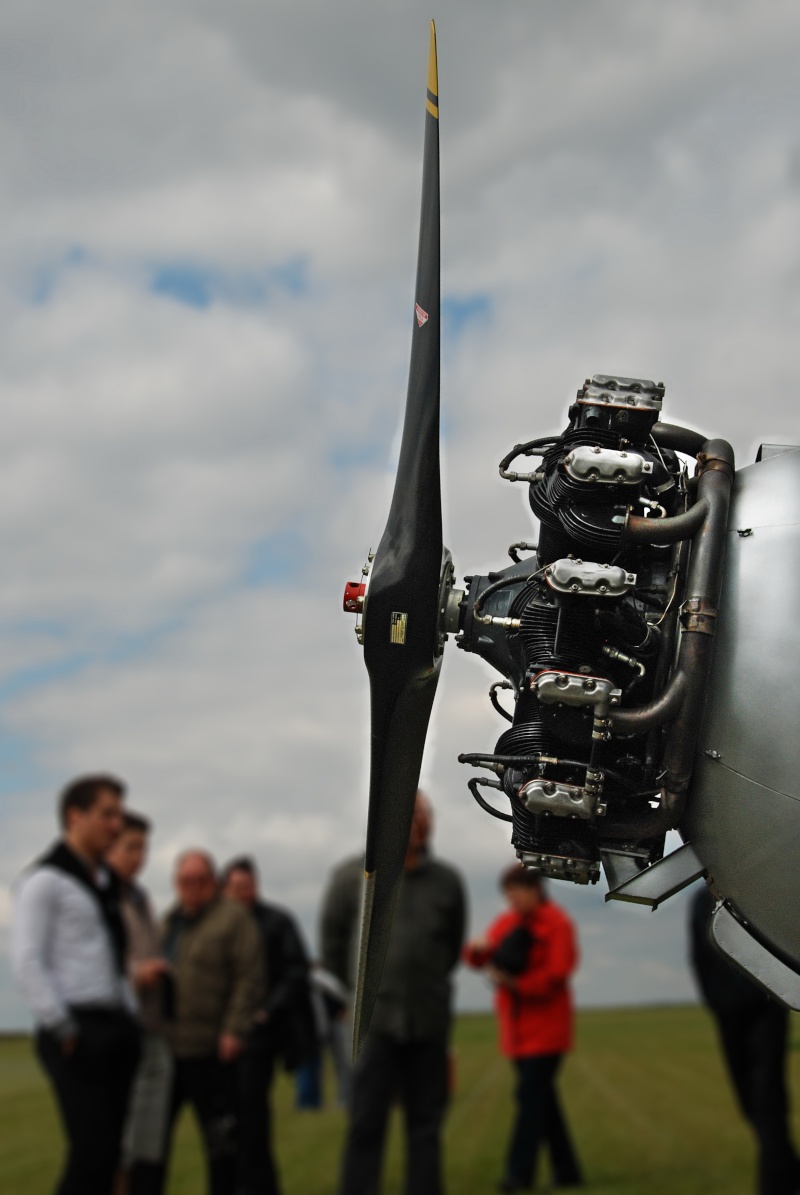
x,y
354,594
355,597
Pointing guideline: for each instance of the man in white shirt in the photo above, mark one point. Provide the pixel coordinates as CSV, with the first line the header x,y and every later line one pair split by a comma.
x,y
69,960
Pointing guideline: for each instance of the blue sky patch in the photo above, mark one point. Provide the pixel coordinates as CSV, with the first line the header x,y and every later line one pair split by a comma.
x,y
291,277
359,454
191,285
40,674
19,771
36,626
196,285
114,649
459,311
588,270
277,557
47,277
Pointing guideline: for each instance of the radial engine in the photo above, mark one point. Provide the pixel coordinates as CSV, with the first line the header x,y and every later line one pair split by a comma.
x,y
602,631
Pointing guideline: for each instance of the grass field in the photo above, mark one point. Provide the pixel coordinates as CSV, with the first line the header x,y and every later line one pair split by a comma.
x,y
645,1091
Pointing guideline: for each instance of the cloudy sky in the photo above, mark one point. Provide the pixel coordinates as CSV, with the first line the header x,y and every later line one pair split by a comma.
x,y
208,221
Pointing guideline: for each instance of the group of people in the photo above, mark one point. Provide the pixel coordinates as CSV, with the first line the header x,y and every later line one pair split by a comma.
x,y
137,1017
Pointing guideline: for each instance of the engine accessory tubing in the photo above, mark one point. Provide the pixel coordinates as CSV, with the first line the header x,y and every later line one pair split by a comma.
x,y
530,448
493,588
500,684
472,785
681,701
478,760
522,546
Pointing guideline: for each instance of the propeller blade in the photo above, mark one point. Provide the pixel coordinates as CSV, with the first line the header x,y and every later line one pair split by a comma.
x,y
401,615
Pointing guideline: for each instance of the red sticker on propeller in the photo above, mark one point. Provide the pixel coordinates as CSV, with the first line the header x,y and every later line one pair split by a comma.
x,y
422,316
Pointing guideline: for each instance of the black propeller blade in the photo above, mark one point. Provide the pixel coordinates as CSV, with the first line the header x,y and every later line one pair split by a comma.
x,y
400,628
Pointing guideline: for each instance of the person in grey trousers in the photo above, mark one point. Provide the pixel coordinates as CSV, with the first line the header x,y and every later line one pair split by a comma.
x,y
405,1055
144,1139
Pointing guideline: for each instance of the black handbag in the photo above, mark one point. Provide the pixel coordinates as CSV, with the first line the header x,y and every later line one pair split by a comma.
x,y
513,951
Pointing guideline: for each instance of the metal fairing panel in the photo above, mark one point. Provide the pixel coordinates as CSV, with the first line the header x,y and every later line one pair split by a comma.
x,y
743,811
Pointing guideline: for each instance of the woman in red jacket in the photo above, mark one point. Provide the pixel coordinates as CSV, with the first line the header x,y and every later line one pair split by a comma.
x,y
529,953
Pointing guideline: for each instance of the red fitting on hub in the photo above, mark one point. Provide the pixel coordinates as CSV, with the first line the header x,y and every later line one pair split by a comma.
x,y
354,596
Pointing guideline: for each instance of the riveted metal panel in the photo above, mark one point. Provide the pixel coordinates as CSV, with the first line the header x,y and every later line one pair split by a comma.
x,y
743,811
748,838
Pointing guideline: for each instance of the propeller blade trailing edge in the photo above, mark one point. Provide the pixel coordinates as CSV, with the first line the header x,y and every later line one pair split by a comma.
x,y
401,648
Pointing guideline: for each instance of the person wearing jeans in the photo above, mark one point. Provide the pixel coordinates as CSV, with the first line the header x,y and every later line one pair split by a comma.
x,y
405,1054
68,952
282,1032
217,969
530,953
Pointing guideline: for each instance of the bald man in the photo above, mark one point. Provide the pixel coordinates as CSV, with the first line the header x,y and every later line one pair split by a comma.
x,y
405,1054
217,968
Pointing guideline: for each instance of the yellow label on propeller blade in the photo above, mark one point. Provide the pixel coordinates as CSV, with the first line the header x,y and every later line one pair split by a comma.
x,y
397,631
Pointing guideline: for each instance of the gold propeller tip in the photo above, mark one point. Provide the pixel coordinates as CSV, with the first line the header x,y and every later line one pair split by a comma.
x,y
432,98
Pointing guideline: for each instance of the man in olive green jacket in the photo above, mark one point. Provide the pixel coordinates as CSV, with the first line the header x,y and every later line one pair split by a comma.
x,y
218,983
406,1050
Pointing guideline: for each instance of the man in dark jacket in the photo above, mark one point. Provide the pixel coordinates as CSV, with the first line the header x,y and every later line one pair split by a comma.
x,y
283,1027
218,974
753,1034
405,1054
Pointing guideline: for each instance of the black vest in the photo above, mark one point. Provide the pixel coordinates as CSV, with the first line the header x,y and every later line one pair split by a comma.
x,y
107,896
